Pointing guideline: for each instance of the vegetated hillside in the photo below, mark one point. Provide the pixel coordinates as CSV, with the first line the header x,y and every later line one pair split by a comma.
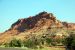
x,y
41,24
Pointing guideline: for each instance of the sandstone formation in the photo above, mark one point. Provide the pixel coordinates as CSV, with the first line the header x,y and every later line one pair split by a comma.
x,y
37,24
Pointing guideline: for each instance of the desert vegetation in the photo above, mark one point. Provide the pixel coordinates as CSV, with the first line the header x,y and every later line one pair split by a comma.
x,y
44,40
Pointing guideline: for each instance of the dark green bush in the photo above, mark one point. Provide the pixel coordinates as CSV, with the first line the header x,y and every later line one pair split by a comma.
x,y
48,41
32,42
28,43
14,43
69,41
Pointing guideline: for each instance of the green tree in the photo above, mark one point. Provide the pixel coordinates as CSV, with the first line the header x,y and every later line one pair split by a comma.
x,y
15,43
70,41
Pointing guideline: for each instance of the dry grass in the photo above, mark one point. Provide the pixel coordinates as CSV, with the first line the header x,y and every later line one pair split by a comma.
x,y
56,48
45,48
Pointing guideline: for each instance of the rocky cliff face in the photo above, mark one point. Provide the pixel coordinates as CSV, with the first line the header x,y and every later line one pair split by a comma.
x,y
37,24
69,26
42,18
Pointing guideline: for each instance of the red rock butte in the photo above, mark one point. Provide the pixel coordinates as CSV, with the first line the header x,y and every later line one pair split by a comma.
x,y
34,24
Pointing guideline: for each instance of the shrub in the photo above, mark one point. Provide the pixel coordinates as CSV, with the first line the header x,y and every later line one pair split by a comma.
x,y
14,43
48,41
31,43
28,43
70,41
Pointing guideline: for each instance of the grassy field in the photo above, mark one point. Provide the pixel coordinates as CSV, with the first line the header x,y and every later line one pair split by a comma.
x,y
45,48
